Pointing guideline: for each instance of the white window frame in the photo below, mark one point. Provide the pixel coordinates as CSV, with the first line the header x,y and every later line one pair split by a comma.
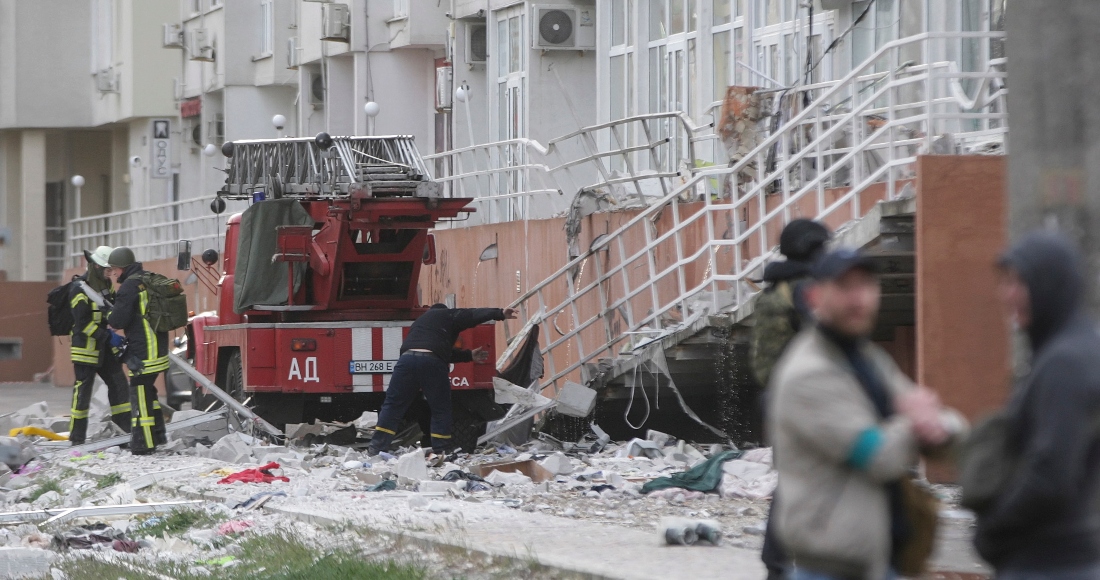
x,y
267,28
510,94
736,75
774,68
195,7
626,51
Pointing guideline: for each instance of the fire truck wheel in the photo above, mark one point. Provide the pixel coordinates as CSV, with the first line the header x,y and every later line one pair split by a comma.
x,y
234,377
466,429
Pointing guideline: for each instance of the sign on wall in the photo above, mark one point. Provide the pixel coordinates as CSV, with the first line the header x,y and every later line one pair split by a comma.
x,y
161,154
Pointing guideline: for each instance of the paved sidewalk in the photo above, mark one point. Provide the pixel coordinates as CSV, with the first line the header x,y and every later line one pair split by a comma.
x,y
15,396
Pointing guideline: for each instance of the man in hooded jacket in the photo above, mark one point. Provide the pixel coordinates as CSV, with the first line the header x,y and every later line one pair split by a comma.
x,y
93,347
1043,524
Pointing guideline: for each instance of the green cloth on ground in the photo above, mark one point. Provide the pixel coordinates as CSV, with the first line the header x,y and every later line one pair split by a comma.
x,y
703,477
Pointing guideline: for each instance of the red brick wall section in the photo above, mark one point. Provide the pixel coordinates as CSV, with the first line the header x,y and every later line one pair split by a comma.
x,y
23,315
962,339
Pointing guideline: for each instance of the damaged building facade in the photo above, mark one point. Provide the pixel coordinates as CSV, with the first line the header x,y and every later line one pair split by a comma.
x,y
631,163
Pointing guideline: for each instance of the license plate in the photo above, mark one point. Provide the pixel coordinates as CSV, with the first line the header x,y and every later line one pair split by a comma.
x,y
372,367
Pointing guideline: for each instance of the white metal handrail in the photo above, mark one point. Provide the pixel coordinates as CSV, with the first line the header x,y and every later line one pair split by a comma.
x,y
505,176
820,165
151,232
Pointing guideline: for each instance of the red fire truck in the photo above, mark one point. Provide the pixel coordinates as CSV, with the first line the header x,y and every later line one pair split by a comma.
x,y
318,282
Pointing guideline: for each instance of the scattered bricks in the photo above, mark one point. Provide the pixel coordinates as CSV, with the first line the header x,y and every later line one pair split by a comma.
x,y
576,400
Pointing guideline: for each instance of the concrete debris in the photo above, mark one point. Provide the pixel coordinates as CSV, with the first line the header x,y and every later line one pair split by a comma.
x,y
25,562
558,464
591,480
412,466
231,449
575,400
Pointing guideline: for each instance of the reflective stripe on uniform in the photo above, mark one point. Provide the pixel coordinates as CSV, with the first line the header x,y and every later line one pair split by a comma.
x,y
438,436
123,408
89,353
384,430
154,361
144,419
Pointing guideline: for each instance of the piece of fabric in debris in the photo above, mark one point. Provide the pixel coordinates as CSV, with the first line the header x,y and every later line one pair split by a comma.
x,y
255,475
234,527
457,474
706,476
387,485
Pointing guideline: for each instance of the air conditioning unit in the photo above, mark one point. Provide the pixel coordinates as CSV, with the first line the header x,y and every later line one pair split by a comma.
x,y
106,81
566,27
173,36
335,22
444,81
293,57
477,44
194,130
200,45
317,90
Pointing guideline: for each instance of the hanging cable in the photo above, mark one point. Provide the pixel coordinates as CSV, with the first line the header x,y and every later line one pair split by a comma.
x,y
836,41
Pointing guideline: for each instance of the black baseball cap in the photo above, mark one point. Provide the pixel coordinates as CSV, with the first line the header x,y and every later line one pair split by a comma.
x,y
840,261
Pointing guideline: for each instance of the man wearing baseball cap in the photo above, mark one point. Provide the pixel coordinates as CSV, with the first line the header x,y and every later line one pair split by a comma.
x,y
93,347
848,427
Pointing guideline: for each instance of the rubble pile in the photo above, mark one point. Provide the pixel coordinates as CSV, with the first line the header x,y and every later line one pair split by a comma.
x,y
104,501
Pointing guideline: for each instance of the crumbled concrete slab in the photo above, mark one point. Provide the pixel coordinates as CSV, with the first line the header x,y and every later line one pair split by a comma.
x,y
576,400
231,450
25,562
412,465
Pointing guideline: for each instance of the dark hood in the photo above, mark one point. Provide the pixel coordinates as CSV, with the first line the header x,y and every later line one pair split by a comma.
x,y
129,271
1051,268
786,270
95,278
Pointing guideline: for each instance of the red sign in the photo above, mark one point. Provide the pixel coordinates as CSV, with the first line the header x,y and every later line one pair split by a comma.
x,y
191,108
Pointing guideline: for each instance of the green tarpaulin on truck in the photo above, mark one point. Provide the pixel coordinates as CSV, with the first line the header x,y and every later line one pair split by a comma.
x,y
257,280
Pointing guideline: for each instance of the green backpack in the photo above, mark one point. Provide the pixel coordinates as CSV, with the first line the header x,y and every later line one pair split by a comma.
x,y
167,309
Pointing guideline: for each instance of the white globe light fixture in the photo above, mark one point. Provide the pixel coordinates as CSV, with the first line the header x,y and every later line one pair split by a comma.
x,y
461,94
78,182
278,121
371,109
209,150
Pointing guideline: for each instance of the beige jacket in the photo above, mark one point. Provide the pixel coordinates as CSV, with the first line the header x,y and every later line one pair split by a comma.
x,y
834,518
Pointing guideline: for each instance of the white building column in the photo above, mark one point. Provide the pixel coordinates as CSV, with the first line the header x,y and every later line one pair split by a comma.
x,y
32,191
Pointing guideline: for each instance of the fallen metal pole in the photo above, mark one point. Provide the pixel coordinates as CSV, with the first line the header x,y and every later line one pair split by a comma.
x,y
58,514
225,397
64,447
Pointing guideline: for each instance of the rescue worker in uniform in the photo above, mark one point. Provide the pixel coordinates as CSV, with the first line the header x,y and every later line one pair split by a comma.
x,y
146,354
93,347
426,356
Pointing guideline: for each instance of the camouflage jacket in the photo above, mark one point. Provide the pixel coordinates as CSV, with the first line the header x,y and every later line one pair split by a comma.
x,y
778,320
